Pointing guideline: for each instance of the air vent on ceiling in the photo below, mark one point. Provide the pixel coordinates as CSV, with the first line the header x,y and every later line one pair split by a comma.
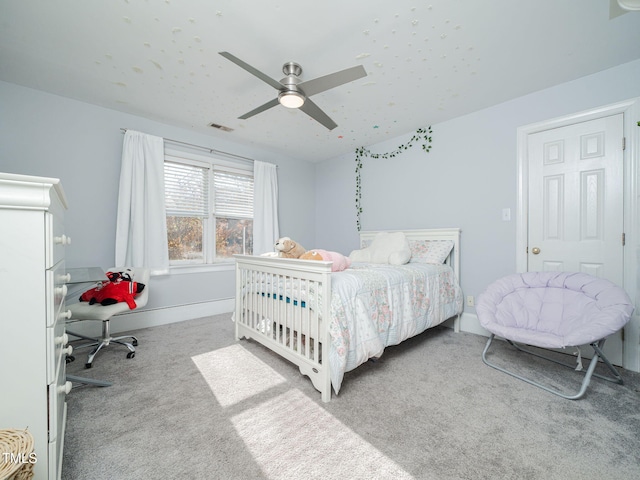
x,y
221,127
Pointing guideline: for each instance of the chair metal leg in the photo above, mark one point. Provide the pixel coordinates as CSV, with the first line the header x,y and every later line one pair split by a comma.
x,y
93,353
88,381
69,332
597,347
129,345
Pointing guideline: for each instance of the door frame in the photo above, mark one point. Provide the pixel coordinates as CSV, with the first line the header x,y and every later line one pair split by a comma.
x,y
631,158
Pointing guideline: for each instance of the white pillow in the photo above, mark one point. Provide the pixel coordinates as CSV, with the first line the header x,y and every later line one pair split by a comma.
x,y
392,248
430,251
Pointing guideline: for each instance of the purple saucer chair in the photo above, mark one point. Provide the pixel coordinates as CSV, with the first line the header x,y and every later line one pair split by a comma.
x,y
554,310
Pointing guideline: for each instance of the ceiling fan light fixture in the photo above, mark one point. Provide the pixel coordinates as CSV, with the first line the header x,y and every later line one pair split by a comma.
x,y
290,99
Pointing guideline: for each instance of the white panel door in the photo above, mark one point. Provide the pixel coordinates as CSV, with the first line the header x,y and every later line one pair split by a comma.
x,y
576,203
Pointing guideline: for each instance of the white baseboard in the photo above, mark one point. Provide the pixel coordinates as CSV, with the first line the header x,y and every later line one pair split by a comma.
x,y
153,318
469,323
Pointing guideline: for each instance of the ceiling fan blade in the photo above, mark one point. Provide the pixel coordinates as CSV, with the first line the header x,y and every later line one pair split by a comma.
x,y
320,84
318,115
261,108
265,78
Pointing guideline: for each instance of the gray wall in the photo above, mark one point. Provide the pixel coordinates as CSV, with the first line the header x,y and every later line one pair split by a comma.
x,y
466,180
48,135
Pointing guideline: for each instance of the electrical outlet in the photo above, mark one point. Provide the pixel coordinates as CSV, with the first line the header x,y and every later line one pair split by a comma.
x,y
470,301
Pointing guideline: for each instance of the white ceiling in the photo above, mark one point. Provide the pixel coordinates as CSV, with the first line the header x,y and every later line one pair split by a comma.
x,y
427,61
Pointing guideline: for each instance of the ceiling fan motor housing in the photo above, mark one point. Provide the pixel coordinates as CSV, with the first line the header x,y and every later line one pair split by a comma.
x,y
292,68
291,81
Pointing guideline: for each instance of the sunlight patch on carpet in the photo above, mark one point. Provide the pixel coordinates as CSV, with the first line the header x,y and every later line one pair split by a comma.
x,y
234,374
290,436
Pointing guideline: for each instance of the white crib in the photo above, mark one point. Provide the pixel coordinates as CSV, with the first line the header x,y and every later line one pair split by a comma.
x,y
280,304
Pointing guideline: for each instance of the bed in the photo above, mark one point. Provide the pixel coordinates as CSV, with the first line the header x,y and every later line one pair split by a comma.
x,y
281,303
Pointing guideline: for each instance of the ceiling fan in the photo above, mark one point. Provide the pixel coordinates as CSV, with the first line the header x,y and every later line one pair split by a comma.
x,y
293,93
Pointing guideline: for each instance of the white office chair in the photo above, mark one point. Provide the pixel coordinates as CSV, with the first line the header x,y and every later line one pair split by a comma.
x,y
84,311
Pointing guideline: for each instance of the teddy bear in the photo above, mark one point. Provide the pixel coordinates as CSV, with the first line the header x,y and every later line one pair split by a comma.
x,y
119,287
340,262
386,247
287,248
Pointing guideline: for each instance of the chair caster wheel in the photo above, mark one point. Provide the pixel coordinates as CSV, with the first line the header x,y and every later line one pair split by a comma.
x,y
134,343
131,354
69,359
88,365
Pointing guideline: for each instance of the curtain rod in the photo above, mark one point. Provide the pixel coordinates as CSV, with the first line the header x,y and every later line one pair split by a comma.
x,y
208,149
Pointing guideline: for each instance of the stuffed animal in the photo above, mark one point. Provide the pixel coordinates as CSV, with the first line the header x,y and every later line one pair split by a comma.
x,y
386,247
287,248
340,262
119,288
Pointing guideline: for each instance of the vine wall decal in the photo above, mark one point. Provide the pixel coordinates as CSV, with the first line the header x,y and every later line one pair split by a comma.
x,y
422,134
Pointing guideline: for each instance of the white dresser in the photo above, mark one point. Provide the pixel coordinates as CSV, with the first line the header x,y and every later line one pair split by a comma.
x,y
33,343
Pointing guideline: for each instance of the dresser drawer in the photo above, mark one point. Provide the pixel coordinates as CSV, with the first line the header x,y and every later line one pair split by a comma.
x,y
55,239
56,291
58,391
56,446
57,350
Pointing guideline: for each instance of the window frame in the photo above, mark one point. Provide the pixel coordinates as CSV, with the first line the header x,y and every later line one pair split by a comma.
x,y
210,163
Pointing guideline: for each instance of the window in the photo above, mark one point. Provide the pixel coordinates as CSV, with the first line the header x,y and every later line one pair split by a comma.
x,y
209,211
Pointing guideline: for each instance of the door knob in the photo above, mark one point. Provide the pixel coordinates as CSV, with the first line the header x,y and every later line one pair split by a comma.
x,y
535,250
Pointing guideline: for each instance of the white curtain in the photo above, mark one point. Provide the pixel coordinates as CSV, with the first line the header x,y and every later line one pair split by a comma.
x,y
141,228
265,207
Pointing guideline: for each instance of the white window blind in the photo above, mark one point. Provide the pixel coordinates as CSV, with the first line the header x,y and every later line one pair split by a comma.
x,y
233,194
186,190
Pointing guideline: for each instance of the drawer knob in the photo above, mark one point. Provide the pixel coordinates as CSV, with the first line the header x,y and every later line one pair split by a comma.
x,y
63,240
62,291
66,388
64,278
66,315
68,350
62,339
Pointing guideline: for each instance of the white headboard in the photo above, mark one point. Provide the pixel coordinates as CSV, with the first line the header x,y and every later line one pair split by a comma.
x,y
453,234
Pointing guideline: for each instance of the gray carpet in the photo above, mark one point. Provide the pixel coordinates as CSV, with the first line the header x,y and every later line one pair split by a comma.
x,y
195,404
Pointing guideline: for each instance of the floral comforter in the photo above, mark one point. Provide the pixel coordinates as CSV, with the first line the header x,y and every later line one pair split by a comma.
x,y
374,306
